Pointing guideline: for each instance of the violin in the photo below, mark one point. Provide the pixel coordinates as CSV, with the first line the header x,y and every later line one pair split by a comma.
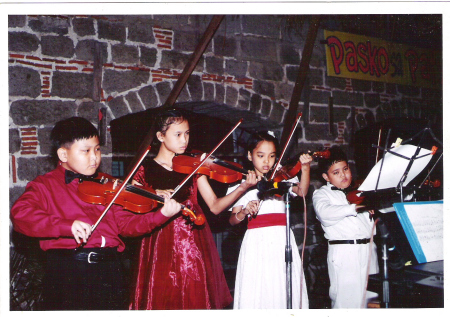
x,y
137,199
291,169
217,169
352,195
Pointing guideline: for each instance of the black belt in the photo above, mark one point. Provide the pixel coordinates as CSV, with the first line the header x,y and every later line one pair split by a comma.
x,y
90,255
355,241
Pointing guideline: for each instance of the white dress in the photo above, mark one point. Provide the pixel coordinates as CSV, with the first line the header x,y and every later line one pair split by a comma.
x,y
261,269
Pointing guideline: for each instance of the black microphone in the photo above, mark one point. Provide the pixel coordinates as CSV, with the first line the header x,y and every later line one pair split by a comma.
x,y
264,185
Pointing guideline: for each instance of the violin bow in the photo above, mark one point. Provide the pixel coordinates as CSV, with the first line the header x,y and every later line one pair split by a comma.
x,y
121,188
299,116
206,158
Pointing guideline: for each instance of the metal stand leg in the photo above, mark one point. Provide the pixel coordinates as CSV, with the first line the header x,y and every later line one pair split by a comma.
x,y
288,257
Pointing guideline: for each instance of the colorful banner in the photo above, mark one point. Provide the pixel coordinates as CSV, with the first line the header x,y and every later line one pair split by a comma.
x,y
367,58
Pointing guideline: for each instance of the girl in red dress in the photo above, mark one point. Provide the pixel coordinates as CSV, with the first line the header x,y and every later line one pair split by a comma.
x,y
179,266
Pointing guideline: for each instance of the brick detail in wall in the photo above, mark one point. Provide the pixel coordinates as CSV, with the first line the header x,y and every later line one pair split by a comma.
x,y
163,37
14,169
341,128
159,75
348,85
45,84
29,141
247,82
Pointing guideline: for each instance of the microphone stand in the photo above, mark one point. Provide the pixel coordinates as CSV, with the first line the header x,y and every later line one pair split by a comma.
x,y
288,255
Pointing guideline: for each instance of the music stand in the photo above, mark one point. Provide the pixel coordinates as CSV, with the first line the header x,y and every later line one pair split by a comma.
x,y
417,153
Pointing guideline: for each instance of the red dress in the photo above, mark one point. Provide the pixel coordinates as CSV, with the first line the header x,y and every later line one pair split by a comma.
x,y
179,266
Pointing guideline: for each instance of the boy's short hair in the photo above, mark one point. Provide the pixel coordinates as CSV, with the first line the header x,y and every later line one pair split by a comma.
x,y
336,155
66,132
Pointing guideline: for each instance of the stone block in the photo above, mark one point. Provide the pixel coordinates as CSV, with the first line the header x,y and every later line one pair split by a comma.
x,y
17,21
49,24
141,31
45,145
378,86
148,56
266,107
209,91
251,24
372,100
111,30
255,103
361,85
391,89
195,87
14,194
119,81
163,89
292,73
23,81
37,112
184,95
335,82
407,90
283,91
220,93
83,26
348,98
264,88
266,71
174,60
134,102
261,49
225,46
57,46
231,96
89,110
289,55
118,107
72,85
319,114
214,65
277,113
14,141
148,97
243,104
22,42
29,168
317,96
168,21
186,41
315,77
85,50
320,132
106,164
124,54
236,68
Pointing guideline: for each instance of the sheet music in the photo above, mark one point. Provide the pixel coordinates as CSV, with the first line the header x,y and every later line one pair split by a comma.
x,y
394,167
423,223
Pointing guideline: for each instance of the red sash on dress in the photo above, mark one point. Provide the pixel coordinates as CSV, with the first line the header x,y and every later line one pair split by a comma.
x,y
267,220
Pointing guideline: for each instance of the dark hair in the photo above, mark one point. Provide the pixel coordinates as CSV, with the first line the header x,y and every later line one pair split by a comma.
x,y
336,155
66,132
166,118
259,137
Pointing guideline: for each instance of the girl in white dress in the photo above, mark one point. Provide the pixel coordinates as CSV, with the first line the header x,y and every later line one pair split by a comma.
x,y
261,269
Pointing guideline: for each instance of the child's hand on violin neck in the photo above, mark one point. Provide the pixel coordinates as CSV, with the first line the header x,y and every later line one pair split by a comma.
x,y
164,192
251,180
170,208
305,159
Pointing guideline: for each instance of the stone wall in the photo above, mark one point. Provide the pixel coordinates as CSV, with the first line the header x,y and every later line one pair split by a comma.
x,y
248,65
